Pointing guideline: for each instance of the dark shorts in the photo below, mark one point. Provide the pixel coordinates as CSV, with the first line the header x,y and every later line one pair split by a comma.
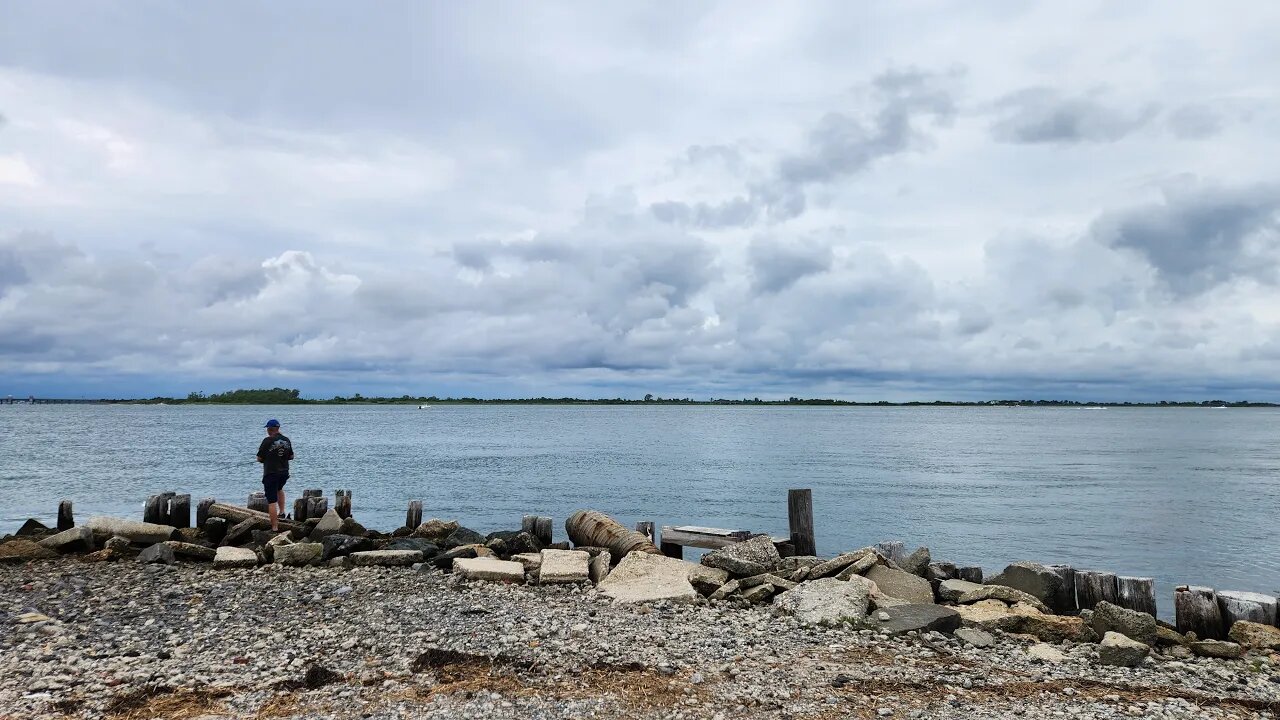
x,y
272,484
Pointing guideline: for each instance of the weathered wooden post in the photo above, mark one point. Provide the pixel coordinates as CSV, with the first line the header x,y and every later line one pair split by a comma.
x,y
413,518
180,511
313,492
258,501
1196,610
202,511
800,520
1254,607
151,510
1137,593
342,503
645,527
317,506
66,520
1093,586
670,549
1067,594
165,499
544,531
300,508
529,524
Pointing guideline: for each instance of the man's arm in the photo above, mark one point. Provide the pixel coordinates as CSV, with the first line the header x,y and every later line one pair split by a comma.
x,y
262,447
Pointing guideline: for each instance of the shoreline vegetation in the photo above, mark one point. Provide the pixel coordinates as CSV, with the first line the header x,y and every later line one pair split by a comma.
x,y
293,396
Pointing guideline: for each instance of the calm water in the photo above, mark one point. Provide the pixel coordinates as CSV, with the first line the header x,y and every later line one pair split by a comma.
x,y
1184,495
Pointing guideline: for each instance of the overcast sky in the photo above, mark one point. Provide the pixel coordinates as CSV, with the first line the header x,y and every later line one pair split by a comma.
x,y
891,200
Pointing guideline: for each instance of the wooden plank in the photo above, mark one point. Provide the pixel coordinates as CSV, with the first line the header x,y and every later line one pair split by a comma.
x,y
682,537
705,530
800,521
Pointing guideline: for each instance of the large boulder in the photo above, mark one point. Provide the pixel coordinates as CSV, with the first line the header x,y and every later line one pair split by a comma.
x,y
1255,635
901,585
1033,579
142,533
330,524
825,601
160,553
21,550
229,557
33,528
297,554
563,567
1054,628
1002,592
920,617
1121,651
342,545
989,615
1130,623
491,569
422,545
522,542
953,590
1217,649
76,539
706,580
191,550
917,563
645,577
462,536
435,530
744,559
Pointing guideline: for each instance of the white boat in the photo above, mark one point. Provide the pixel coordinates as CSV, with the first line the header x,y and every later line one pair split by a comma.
x,y
424,407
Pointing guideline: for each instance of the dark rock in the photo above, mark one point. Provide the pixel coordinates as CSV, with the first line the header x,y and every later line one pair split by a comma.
x,y
970,573
498,546
195,536
242,532
117,544
191,550
401,532
462,536
422,545
445,559
340,545
914,616
317,676
352,528
562,545
215,529
939,571
745,559
435,530
32,528
523,542
503,535
917,563
1033,579
158,553
1132,624
77,539
20,550
262,537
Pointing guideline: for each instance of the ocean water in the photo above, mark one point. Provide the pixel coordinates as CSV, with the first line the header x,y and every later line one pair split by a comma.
x,y
1183,495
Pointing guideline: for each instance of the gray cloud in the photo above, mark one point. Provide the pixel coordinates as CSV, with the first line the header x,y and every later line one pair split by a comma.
x,y
1044,115
1202,236
1195,122
775,266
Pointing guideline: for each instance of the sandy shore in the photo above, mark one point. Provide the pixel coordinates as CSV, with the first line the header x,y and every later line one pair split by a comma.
x,y
125,640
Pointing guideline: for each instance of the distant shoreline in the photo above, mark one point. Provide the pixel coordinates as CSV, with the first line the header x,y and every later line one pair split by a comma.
x,y
429,401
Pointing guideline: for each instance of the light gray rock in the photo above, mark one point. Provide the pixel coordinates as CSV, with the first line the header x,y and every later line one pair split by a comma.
x,y
158,553
191,550
532,562
832,566
976,637
1217,649
1002,592
1033,579
901,585
860,566
495,570
750,557
136,532
706,580
76,539
563,567
599,566
1046,653
645,577
1121,651
1132,624
435,529
330,524
385,558
825,601
228,557
953,590
297,554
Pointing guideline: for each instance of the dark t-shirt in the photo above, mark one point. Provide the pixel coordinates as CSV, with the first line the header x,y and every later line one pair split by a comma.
x,y
276,452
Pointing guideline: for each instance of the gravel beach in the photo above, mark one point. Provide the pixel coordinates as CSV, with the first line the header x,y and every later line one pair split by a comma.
x,y
125,640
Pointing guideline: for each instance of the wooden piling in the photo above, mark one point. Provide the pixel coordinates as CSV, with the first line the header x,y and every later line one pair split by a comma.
x,y
1196,610
800,520
257,501
313,492
342,503
1254,607
317,506
645,527
1137,593
413,518
66,520
300,508
529,524
180,511
165,499
202,511
544,530
1093,586
151,510
1066,598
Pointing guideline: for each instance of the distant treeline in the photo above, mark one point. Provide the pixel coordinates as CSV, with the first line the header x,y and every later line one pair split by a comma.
x,y
287,396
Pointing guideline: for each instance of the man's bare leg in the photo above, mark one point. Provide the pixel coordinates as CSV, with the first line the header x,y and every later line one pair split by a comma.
x,y
271,513
281,500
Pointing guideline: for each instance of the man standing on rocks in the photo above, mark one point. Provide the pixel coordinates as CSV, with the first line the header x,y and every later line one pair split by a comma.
x,y
274,453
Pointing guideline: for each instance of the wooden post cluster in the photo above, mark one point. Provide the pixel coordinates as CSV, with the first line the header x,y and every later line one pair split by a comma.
x,y
1137,593
66,520
800,521
258,501
202,511
342,503
1235,606
538,526
413,518
1092,587
180,511
1196,610
317,506
167,508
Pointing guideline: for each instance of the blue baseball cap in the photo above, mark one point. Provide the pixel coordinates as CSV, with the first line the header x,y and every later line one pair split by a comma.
x,y
272,423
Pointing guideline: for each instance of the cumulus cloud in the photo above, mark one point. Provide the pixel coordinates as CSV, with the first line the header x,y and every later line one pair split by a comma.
x,y
1045,115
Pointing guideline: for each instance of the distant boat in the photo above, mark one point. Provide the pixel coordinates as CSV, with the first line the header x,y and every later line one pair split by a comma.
x,y
1094,407
424,407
